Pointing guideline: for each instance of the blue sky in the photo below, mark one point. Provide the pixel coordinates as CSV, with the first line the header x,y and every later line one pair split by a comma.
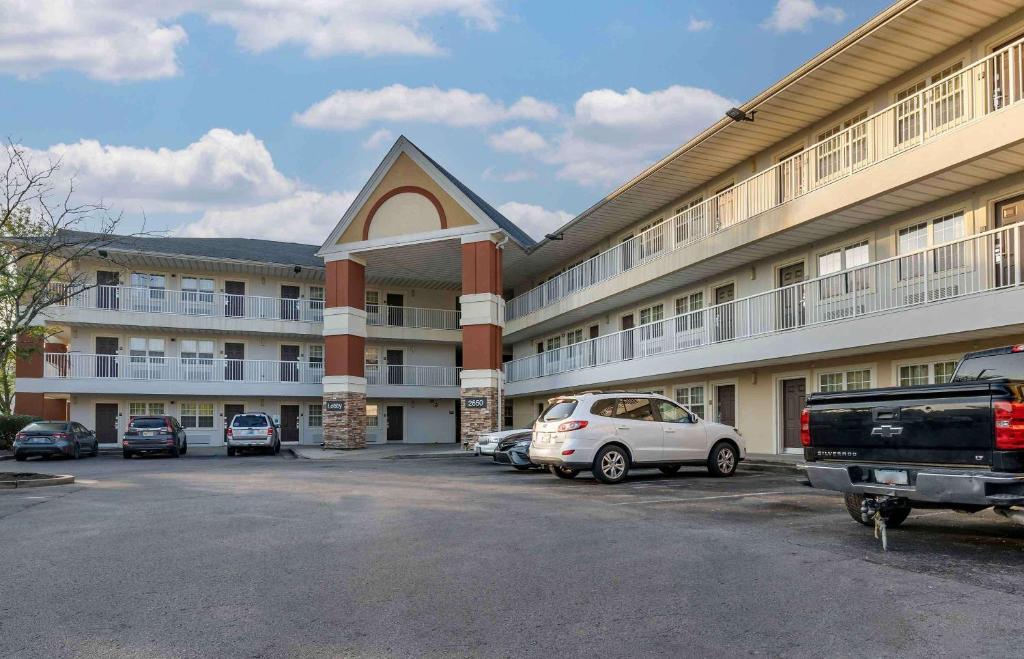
x,y
220,118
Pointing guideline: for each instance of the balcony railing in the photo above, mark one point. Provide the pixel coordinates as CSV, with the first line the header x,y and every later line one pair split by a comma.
x,y
985,262
195,303
987,86
424,376
382,315
177,369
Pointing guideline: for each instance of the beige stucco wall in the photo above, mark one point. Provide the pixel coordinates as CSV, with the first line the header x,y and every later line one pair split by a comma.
x,y
406,172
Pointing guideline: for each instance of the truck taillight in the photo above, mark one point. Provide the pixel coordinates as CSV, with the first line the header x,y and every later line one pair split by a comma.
x,y
1009,425
805,427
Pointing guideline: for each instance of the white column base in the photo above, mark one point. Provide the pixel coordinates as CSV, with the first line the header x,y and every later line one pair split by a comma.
x,y
344,384
344,320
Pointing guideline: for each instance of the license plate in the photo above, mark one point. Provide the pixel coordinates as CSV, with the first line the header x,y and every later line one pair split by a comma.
x,y
149,434
891,477
38,440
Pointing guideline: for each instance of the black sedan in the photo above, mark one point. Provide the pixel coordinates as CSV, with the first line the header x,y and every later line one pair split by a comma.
x,y
515,450
55,438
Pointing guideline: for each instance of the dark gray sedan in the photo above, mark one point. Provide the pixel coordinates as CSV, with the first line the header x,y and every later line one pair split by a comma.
x,y
67,439
515,450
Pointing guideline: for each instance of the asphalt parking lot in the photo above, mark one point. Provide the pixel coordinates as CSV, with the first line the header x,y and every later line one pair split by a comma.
x,y
454,556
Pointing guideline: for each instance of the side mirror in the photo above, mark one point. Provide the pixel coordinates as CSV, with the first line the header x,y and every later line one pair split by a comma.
x,y
693,418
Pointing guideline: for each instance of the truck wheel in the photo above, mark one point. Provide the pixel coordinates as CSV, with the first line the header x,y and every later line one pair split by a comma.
x,y
231,452
853,503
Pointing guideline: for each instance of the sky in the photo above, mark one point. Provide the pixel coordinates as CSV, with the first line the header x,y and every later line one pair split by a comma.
x,y
264,118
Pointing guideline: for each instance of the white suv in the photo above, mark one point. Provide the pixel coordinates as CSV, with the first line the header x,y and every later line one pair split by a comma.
x,y
609,433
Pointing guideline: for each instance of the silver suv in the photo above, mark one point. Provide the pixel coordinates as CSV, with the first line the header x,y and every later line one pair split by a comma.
x,y
610,433
252,430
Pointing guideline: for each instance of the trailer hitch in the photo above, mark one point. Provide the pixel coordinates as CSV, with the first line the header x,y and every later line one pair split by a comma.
x,y
878,510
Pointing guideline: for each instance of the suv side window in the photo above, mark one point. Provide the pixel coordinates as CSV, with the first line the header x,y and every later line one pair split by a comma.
x,y
635,409
604,407
672,413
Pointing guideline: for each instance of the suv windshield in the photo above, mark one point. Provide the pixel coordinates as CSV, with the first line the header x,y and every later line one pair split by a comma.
x,y
249,421
558,410
45,427
1008,366
148,422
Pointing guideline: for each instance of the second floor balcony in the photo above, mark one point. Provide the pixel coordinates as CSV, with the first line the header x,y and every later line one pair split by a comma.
x,y
983,264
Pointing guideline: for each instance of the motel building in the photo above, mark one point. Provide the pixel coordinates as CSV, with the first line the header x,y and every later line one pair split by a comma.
x,y
863,230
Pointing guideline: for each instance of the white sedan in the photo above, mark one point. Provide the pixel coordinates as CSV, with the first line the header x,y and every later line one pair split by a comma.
x,y
487,444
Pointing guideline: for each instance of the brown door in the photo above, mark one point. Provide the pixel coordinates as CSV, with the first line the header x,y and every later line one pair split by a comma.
x,y
725,313
627,337
1004,74
794,394
289,363
396,423
290,302
725,404
106,291
106,356
234,366
395,359
789,300
234,299
289,423
1008,212
396,314
106,423
230,410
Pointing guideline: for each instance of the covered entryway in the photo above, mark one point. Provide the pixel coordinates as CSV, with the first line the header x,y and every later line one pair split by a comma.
x,y
794,395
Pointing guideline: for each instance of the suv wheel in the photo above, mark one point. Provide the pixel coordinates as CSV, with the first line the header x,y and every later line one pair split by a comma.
x,y
564,472
126,455
175,452
611,464
20,458
722,460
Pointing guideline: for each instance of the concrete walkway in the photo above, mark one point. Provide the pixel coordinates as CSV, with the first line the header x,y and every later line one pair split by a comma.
x,y
380,452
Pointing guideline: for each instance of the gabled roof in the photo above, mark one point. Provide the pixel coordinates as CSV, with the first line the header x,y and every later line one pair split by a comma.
x,y
474,204
233,249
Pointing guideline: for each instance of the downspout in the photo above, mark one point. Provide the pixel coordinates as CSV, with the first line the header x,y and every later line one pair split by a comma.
x,y
501,371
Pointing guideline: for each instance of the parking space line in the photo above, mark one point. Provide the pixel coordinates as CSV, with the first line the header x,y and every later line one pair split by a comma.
x,y
677,499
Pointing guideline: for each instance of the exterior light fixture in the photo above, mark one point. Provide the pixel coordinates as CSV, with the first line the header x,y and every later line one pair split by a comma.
x,y
737,114
298,269
554,236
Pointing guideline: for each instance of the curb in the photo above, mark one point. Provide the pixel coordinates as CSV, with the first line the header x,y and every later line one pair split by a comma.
x,y
64,479
775,467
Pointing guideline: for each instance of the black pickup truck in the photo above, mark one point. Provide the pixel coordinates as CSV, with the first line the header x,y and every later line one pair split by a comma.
x,y
958,445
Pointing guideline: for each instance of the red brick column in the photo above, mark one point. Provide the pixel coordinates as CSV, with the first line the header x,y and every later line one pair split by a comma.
x,y
344,380
29,364
483,317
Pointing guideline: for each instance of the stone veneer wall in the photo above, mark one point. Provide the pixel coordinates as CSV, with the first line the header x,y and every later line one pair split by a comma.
x,y
347,429
475,422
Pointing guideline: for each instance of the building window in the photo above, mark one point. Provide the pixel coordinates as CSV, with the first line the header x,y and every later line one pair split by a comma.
x,y
652,314
316,415
316,303
936,232
145,409
926,373
837,150
554,343
575,336
690,305
197,295
316,356
689,218
844,380
692,398
844,258
197,415
506,411
371,415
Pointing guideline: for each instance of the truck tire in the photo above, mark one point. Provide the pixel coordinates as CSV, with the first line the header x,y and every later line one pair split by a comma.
x,y
854,501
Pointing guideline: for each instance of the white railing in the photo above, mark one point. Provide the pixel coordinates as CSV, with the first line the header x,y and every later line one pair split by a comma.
x,y
985,262
382,315
194,303
199,369
424,376
985,87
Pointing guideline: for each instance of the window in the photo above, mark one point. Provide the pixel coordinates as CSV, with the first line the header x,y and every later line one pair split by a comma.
x,y
575,336
149,292
926,373
649,315
936,232
145,409
604,407
672,413
197,415
689,218
372,357
316,293
506,413
197,295
652,239
316,303
635,409
554,343
690,304
692,398
844,380
196,352
841,145
316,415
372,298
844,258
146,358
316,356
371,415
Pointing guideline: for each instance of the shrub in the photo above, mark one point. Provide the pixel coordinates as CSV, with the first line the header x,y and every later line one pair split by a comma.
x,y
10,424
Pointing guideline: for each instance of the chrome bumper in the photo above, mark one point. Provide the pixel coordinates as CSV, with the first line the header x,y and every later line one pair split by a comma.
x,y
932,484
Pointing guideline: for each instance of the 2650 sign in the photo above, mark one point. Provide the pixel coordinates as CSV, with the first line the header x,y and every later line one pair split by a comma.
x,y
475,403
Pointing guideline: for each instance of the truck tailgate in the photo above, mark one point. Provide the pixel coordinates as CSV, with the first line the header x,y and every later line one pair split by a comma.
x,y
937,424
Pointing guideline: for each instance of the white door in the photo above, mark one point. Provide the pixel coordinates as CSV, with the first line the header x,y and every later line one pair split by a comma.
x,y
684,439
639,429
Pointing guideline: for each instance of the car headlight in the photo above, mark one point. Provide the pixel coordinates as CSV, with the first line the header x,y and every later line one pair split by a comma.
x,y
524,444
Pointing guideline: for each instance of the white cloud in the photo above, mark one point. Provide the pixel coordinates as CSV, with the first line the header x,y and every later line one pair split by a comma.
x,y
307,216
356,108
379,139
534,220
138,39
513,176
698,24
518,140
613,135
797,15
220,169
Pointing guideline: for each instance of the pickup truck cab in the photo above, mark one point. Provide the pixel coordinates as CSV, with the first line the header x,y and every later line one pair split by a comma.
x,y
958,445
